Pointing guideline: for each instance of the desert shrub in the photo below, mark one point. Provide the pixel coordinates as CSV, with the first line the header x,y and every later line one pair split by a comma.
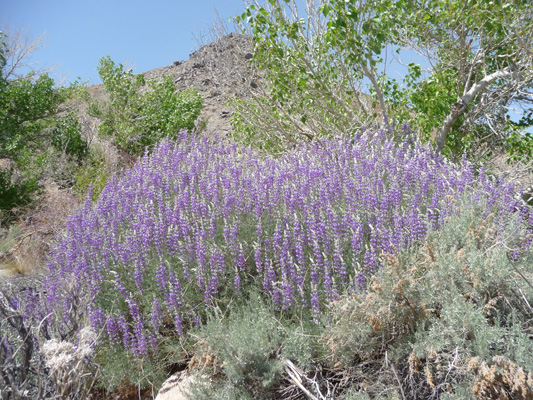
x,y
206,390
40,361
438,318
196,222
245,344
247,348
15,194
9,237
353,394
140,113
300,344
120,371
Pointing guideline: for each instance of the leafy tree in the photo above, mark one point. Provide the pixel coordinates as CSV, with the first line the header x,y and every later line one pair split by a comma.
x,y
30,111
35,126
481,56
325,70
318,66
139,112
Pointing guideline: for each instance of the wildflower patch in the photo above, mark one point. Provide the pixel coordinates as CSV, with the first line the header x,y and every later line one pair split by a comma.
x,y
195,219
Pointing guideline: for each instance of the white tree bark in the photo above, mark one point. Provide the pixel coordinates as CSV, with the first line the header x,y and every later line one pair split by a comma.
x,y
370,75
458,108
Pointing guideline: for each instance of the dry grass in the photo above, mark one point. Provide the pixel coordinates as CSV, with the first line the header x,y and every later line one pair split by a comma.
x,y
26,251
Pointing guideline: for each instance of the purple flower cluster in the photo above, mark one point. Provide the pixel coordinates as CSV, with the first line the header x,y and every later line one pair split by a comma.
x,y
195,218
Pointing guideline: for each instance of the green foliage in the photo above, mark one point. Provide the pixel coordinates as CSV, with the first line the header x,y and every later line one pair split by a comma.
x,y
427,103
353,394
313,68
14,194
140,113
246,132
9,237
66,138
30,120
249,344
117,368
322,72
298,345
519,145
430,98
467,47
94,173
527,118
34,132
206,390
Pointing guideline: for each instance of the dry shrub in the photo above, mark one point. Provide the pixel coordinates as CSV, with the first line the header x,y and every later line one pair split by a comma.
x,y
501,379
437,319
368,325
376,319
204,359
27,254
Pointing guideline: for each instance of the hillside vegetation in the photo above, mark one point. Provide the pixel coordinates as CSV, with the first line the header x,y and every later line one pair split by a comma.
x,y
346,242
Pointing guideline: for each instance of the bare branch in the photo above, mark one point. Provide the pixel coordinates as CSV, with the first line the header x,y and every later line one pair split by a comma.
x,y
19,50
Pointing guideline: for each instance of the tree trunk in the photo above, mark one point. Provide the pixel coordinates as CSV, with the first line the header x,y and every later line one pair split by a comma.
x,y
370,75
458,108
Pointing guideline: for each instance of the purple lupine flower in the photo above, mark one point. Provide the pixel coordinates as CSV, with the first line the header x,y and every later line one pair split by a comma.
x,y
157,315
113,330
7,347
314,220
97,318
141,347
161,276
237,281
258,261
125,331
174,295
288,295
211,290
315,302
152,339
361,281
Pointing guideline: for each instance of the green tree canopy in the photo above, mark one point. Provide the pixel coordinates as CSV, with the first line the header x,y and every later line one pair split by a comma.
x,y
325,70
481,54
35,126
139,113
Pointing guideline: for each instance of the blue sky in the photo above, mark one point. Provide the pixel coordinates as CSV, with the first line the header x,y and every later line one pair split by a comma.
x,y
139,33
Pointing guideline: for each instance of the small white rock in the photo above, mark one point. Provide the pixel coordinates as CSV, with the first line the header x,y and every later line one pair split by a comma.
x,y
175,387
